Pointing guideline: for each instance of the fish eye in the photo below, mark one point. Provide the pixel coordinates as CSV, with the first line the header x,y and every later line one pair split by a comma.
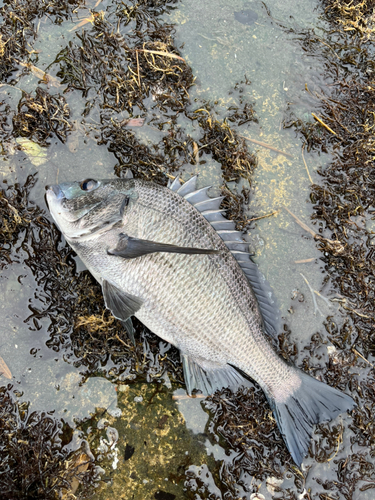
x,y
88,184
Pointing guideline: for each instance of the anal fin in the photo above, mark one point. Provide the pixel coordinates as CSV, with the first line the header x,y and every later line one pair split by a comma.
x,y
209,377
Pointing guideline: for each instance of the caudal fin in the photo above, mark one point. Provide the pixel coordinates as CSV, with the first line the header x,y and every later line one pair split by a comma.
x,y
312,403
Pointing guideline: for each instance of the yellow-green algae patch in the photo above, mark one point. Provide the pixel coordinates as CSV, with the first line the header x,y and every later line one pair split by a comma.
x,y
155,447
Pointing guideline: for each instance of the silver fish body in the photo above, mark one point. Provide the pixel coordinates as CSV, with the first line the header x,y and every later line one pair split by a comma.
x,y
213,306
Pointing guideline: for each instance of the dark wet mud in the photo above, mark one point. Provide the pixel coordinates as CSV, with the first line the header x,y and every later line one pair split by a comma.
x,y
84,413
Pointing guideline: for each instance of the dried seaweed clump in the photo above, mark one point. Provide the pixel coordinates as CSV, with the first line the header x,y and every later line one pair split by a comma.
x,y
244,112
18,28
352,16
354,473
15,216
176,148
235,204
42,117
101,339
35,461
363,424
226,147
142,10
6,116
139,158
345,203
126,69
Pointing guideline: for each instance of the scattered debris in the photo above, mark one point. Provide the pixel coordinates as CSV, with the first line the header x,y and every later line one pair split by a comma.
x,y
4,370
42,117
268,146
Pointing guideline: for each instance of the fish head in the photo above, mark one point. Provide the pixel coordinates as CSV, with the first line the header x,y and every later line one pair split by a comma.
x,y
83,208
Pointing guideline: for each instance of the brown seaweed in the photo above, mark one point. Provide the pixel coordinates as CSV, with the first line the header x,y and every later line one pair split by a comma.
x,y
35,461
126,69
42,117
18,28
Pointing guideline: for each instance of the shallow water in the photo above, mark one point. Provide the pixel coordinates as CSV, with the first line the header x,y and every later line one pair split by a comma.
x,y
168,431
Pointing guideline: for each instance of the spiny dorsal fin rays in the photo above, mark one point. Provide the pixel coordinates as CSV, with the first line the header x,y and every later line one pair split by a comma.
x,y
188,187
209,208
209,204
223,224
230,235
214,215
237,245
176,184
198,196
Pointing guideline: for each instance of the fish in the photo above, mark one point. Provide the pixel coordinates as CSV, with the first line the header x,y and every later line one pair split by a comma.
x,y
169,257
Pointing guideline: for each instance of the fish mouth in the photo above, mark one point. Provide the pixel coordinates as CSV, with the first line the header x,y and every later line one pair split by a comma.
x,y
54,197
56,190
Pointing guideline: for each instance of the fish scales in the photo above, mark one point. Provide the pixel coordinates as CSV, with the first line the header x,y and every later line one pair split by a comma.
x,y
210,295
133,236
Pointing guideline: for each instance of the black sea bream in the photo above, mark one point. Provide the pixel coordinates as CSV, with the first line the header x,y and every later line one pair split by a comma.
x,y
170,258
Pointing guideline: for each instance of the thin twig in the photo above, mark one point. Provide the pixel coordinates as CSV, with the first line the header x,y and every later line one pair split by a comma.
x,y
304,261
160,53
178,397
339,440
265,145
263,216
335,246
322,297
196,152
173,177
323,124
4,370
302,224
316,308
303,158
360,355
358,313
139,78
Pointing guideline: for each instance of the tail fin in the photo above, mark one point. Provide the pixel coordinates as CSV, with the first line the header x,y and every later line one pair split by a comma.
x,y
312,403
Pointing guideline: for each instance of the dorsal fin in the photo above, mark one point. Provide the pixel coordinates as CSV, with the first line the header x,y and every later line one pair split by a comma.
x,y
197,196
176,184
209,208
188,187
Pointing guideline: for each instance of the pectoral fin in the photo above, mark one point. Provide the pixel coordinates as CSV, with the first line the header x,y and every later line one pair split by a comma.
x,y
131,248
121,304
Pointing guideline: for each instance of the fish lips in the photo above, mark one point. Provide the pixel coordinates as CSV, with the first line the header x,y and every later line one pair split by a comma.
x,y
54,191
56,194
54,197
66,190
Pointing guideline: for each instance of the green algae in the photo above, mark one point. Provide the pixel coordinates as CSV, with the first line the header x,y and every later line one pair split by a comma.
x,y
155,447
